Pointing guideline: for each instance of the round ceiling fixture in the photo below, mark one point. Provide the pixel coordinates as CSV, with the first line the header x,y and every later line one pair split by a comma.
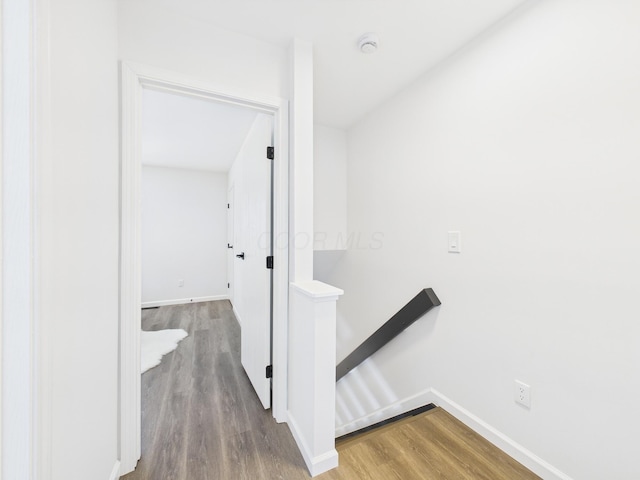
x,y
368,43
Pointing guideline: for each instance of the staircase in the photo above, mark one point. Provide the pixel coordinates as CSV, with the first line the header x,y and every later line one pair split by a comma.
x,y
406,438
363,398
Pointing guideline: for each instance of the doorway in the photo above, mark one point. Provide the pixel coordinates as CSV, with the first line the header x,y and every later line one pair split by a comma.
x,y
134,78
189,146
192,148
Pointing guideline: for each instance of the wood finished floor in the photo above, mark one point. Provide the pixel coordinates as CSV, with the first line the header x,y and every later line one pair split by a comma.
x,y
201,420
432,445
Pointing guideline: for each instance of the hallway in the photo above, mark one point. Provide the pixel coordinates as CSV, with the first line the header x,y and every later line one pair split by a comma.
x,y
201,419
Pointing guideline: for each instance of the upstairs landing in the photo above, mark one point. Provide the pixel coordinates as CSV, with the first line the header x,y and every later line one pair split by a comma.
x,y
431,445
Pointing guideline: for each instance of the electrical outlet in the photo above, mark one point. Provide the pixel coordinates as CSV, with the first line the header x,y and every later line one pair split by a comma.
x,y
522,393
181,283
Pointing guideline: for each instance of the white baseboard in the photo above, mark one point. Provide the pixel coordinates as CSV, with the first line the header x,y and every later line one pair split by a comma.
x,y
236,314
115,472
315,464
182,301
516,451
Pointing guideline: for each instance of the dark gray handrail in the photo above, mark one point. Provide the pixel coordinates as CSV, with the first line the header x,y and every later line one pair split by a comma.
x,y
412,311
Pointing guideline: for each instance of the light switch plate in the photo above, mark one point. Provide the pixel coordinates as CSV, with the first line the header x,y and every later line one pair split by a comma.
x,y
454,239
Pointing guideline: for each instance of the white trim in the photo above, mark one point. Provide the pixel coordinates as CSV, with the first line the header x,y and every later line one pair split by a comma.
x,y
318,291
237,315
516,451
130,271
280,347
315,465
182,301
134,77
115,472
2,114
43,348
19,95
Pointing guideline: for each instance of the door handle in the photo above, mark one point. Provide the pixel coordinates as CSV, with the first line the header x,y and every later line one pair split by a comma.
x,y
240,255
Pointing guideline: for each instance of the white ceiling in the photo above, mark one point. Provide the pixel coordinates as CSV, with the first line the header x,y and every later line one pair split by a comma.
x,y
191,133
414,36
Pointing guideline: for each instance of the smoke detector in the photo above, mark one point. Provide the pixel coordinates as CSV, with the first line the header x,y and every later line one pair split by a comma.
x,y
368,43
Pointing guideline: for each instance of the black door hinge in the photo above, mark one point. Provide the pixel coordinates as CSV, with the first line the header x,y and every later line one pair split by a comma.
x,y
228,205
270,262
270,153
228,285
269,371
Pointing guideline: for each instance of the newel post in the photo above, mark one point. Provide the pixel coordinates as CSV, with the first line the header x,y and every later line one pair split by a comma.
x,y
312,379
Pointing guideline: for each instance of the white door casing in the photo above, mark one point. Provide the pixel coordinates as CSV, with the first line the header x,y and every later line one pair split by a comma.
x,y
134,78
230,241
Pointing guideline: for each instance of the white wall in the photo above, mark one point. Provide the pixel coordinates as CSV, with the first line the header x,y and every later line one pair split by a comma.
x,y
77,242
329,188
331,237
151,34
184,235
526,142
301,164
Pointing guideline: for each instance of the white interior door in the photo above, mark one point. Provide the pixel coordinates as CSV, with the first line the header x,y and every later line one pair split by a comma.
x,y
252,289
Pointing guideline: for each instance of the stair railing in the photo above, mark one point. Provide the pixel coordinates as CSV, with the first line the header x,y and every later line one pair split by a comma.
x,y
412,311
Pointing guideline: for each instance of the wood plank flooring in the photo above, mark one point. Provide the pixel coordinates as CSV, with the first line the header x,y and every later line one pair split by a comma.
x,y
201,420
432,445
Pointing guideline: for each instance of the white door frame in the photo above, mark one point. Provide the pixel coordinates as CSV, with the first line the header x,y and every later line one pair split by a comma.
x,y
21,116
231,225
135,77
